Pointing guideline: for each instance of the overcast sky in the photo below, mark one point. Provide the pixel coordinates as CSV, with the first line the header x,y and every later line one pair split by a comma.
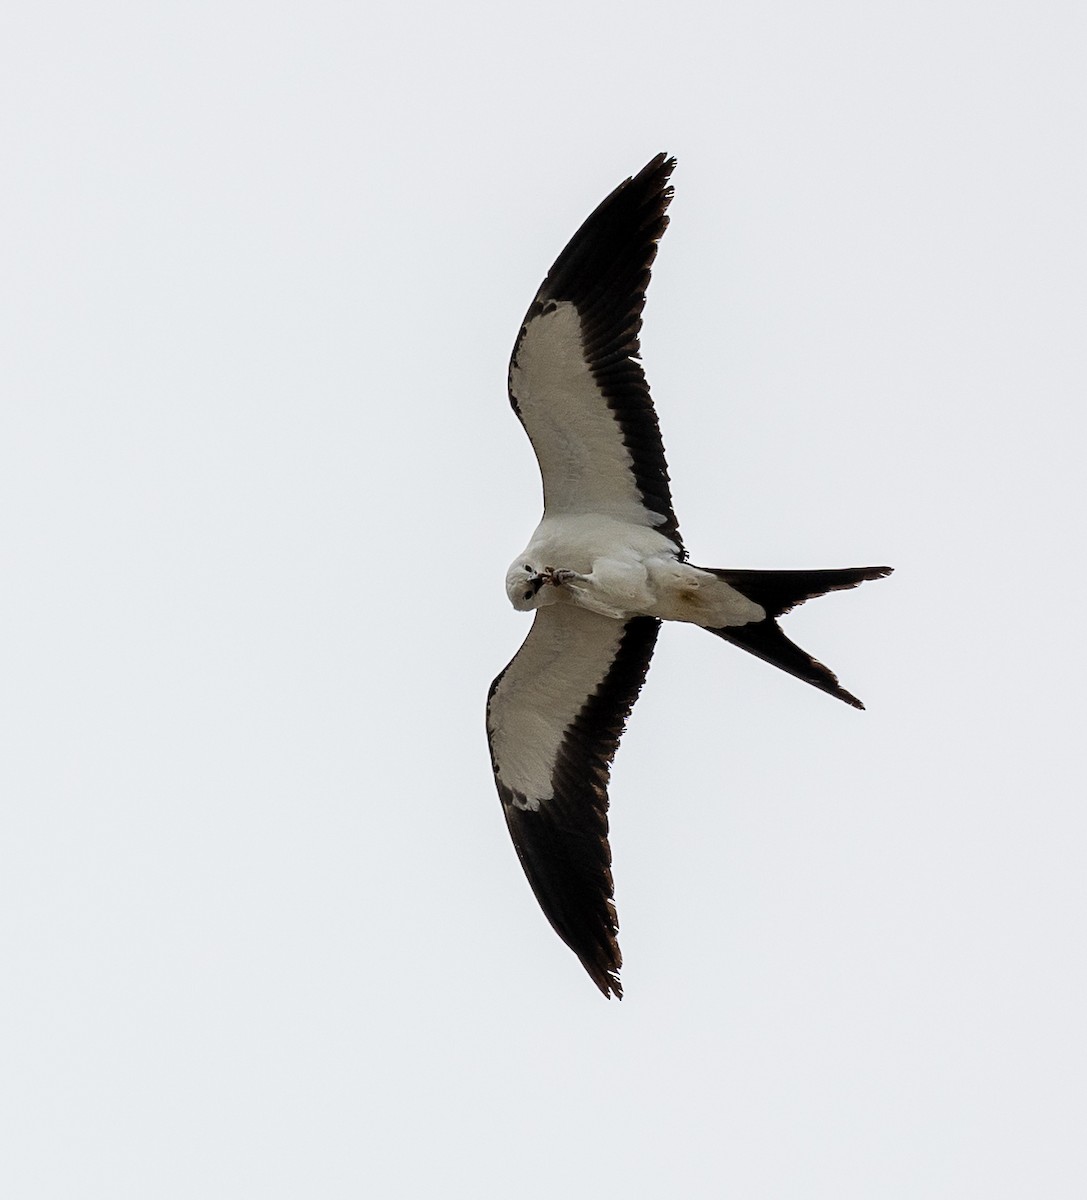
x,y
262,932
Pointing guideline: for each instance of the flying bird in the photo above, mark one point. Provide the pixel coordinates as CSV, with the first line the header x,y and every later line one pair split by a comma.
x,y
605,566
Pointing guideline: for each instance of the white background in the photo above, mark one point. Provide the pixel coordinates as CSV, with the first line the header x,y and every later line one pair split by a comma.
x,y
263,933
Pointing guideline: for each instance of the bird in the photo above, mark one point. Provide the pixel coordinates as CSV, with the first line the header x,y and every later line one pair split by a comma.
x,y
604,568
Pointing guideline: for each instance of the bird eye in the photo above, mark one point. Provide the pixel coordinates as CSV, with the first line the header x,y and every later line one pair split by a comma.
x,y
528,595
528,568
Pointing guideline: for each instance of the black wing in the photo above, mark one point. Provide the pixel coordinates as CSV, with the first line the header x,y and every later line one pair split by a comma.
x,y
554,719
575,379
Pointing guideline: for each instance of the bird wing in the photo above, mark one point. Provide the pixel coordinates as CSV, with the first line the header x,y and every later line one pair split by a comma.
x,y
575,380
554,719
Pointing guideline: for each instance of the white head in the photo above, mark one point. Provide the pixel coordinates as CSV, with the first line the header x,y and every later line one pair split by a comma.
x,y
527,585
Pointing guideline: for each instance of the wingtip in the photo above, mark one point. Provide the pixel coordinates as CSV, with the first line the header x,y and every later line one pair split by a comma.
x,y
608,983
603,961
659,170
661,161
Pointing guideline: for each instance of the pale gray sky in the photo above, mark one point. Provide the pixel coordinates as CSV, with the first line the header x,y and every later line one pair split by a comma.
x,y
262,932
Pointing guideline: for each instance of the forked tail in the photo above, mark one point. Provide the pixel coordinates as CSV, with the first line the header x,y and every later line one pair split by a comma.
x,y
777,592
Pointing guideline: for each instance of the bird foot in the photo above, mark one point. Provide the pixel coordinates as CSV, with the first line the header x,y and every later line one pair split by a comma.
x,y
560,576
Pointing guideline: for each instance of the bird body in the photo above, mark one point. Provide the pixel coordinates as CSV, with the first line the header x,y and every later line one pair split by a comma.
x,y
621,570
605,566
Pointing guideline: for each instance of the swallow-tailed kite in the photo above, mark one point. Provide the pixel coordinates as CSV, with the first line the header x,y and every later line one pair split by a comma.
x,y
605,566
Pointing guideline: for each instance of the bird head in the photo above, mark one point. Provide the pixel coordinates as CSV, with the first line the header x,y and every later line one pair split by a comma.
x,y
526,586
